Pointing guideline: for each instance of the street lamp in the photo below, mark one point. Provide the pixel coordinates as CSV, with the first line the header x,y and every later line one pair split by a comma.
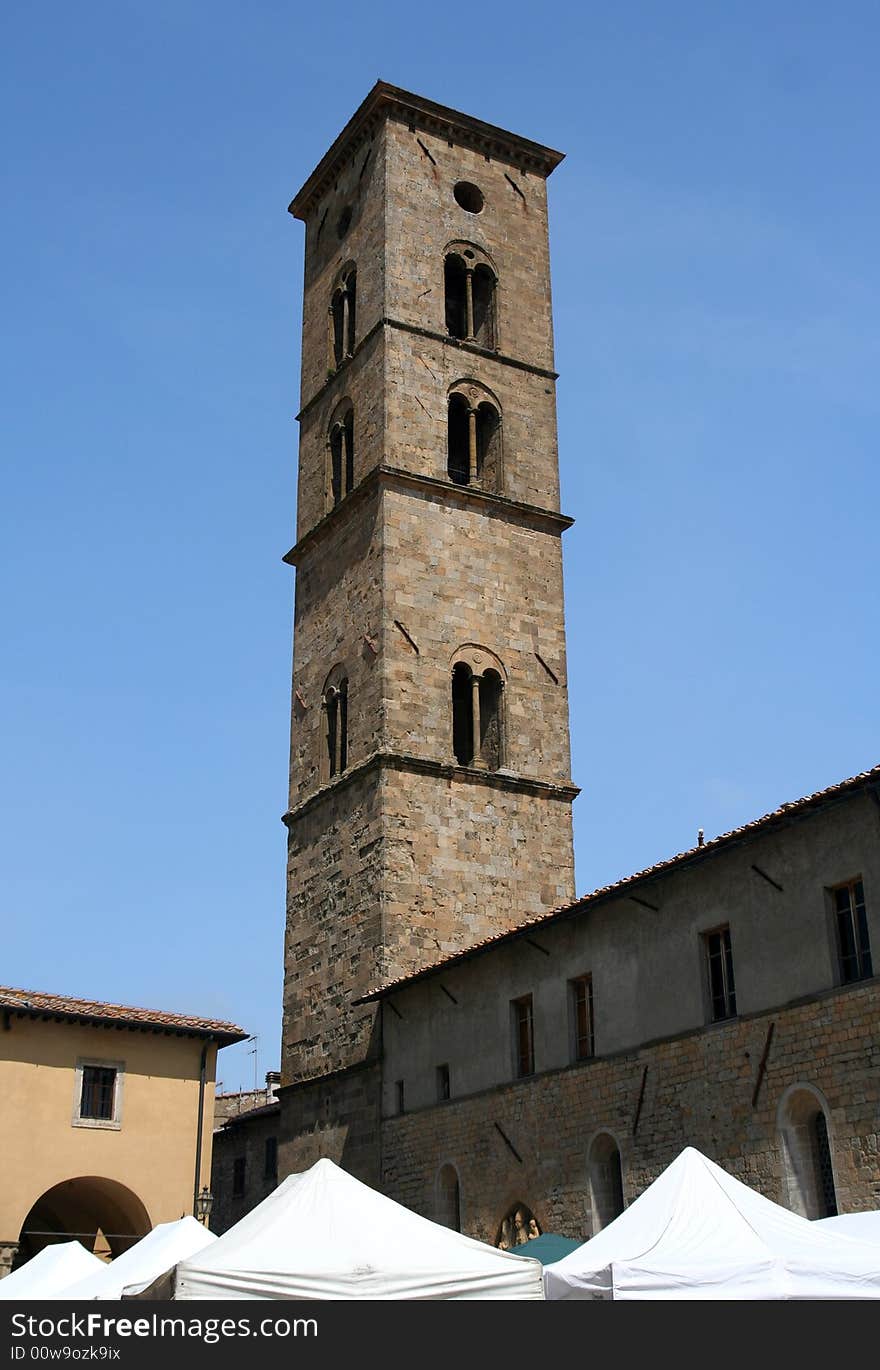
x,y
204,1204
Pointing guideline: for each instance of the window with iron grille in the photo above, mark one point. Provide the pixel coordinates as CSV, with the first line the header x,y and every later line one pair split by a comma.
x,y
523,1035
581,991
98,1092
239,1171
852,932
719,957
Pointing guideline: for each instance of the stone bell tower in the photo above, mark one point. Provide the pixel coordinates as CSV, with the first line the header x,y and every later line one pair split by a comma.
x,y
430,789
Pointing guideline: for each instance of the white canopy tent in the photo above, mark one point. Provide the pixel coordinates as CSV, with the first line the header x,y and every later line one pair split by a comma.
x,y
141,1264
697,1233
325,1235
865,1227
50,1273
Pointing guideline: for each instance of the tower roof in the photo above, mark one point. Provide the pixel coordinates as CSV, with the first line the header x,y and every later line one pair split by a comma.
x,y
384,99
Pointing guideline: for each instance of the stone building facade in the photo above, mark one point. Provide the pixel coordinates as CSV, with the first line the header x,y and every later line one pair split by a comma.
x,y
709,1001
640,1041
105,1129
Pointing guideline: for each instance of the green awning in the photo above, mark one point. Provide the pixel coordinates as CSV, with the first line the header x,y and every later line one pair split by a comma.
x,y
547,1248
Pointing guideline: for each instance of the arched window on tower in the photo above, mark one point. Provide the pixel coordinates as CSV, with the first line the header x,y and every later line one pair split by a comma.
x,y
343,316
469,288
334,708
458,463
483,290
341,454
473,438
477,710
806,1153
455,278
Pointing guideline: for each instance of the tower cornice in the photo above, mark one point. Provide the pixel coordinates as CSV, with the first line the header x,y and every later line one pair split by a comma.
x,y
460,344
444,770
385,100
465,496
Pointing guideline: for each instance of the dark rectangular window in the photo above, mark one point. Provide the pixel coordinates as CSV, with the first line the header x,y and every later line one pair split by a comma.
x,y
852,932
582,1017
239,1166
398,1091
442,1083
523,1035
270,1161
722,991
98,1093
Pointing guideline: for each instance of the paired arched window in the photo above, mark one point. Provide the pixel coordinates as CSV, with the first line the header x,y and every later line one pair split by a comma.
x,y
343,315
341,454
334,710
473,438
806,1153
469,281
606,1181
477,709
449,1198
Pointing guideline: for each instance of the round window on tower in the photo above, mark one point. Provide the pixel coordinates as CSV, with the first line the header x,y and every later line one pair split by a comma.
x,y
470,197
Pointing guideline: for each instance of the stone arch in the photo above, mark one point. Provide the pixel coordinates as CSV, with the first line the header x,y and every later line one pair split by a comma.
x,y
334,722
448,1197
517,1227
80,1209
478,708
604,1179
342,318
802,1121
340,452
470,281
474,435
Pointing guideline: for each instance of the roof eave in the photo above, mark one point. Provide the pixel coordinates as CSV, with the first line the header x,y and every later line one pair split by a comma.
x,y
384,97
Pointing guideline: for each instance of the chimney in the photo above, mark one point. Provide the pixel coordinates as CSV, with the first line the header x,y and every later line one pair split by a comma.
x,y
273,1081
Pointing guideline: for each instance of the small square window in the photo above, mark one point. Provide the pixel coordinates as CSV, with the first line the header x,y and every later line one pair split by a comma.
x,y
97,1100
523,1036
719,963
853,944
239,1174
443,1091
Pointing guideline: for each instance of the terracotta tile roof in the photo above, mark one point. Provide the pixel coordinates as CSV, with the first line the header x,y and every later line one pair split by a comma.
x,y
795,809
35,1003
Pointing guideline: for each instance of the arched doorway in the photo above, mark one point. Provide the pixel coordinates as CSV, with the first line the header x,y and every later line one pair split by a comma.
x,y
806,1153
102,1214
517,1227
606,1181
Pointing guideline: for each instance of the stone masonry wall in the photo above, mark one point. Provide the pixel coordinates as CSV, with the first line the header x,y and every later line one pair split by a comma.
x,y
464,859
454,575
698,1092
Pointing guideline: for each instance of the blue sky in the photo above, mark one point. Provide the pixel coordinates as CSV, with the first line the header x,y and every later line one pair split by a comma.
x,y
714,234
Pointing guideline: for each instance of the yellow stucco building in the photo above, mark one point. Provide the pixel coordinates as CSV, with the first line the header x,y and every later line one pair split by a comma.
x,y
106,1122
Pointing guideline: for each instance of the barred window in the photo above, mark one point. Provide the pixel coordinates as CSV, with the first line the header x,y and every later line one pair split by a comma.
x,y
98,1096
